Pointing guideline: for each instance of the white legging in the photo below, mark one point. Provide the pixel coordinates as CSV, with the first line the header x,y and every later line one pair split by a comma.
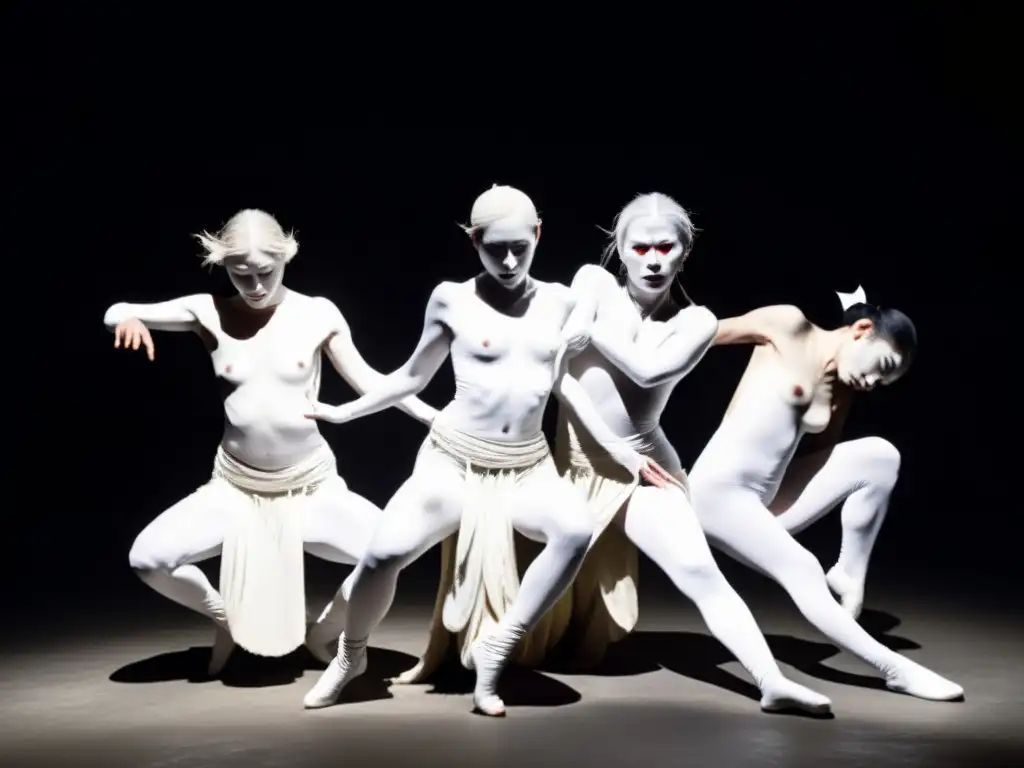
x,y
337,526
663,525
864,473
737,521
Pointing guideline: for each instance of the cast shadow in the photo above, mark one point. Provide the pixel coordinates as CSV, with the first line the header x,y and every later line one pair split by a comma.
x,y
245,670
700,656
518,686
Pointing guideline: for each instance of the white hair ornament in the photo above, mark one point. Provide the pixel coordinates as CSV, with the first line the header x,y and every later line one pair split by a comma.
x,y
849,299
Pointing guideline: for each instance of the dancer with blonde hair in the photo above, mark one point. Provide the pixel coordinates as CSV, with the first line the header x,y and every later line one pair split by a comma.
x,y
275,490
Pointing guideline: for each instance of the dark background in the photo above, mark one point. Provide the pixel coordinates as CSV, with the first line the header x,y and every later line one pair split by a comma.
x,y
877,150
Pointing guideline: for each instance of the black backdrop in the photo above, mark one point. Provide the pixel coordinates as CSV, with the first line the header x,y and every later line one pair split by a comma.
x,y
879,154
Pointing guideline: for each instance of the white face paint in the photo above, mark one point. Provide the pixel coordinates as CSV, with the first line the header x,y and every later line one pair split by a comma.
x,y
257,277
506,250
866,360
652,254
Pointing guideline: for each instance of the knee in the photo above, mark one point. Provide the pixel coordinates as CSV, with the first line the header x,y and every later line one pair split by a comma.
x,y
698,575
144,557
884,460
573,533
385,560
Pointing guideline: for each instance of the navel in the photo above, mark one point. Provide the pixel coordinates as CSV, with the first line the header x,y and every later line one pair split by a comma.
x,y
504,429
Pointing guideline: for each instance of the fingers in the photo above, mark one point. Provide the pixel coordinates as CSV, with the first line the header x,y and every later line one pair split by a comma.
x,y
147,341
652,477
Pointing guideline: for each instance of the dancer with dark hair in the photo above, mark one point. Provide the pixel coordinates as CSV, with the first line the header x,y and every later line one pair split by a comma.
x,y
859,474
788,390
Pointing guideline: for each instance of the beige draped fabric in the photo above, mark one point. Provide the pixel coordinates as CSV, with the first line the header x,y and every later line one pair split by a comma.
x,y
262,579
481,564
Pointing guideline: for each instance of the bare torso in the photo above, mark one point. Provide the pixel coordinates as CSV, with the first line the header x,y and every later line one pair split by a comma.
x,y
269,370
631,411
504,364
784,393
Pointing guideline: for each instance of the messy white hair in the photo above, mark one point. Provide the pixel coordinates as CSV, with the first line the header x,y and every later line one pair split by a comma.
x,y
497,203
651,204
249,230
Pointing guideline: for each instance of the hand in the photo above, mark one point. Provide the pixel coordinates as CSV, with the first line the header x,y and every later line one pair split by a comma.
x,y
333,414
657,476
132,333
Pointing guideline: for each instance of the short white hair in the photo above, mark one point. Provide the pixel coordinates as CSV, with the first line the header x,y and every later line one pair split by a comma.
x,y
501,202
246,231
650,204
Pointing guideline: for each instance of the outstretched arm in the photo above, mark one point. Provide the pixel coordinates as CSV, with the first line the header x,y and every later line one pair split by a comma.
x,y
411,379
762,326
353,368
174,315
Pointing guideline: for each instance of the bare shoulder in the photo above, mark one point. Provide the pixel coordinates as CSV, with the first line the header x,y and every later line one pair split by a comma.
x,y
557,293
593,275
786,318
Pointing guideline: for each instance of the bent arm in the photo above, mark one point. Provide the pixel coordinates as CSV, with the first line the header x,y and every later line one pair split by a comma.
x,y
692,334
761,326
413,377
353,368
174,315
571,395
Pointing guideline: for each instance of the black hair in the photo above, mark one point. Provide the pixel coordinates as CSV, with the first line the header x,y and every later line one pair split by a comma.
x,y
890,324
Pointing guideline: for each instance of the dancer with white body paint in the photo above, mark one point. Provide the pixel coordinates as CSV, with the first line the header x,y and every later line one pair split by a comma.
x,y
642,344
275,488
485,470
858,474
787,391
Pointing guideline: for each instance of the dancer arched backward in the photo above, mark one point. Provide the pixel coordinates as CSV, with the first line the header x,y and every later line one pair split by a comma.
x,y
275,486
485,470
859,474
786,392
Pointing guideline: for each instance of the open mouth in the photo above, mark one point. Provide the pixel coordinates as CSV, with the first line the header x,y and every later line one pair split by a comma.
x,y
654,280
507,275
256,296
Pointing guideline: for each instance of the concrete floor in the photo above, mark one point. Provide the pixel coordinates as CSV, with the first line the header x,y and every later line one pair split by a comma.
x,y
129,692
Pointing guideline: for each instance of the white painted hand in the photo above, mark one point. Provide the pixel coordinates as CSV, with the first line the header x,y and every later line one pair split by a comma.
x,y
334,414
131,334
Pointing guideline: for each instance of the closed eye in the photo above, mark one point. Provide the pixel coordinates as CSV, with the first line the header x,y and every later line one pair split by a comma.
x,y
664,248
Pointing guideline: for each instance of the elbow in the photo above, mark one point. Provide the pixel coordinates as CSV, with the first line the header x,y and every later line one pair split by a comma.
x,y
706,327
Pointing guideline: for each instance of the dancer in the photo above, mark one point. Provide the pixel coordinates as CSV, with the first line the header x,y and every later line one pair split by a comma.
x,y
275,485
859,474
788,391
485,469
642,344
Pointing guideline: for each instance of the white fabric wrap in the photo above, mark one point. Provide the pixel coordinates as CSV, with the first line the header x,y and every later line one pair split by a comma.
x,y
262,570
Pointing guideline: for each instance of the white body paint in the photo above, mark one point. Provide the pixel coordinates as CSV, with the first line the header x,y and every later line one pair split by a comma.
x,y
651,356
267,354
503,331
787,392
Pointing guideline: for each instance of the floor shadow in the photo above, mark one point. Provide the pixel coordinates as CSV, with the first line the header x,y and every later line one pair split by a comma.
x,y
807,656
245,670
518,687
700,656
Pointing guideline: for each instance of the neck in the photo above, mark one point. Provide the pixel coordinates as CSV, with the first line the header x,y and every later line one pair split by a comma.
x,y
648,304
828,345
498,295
